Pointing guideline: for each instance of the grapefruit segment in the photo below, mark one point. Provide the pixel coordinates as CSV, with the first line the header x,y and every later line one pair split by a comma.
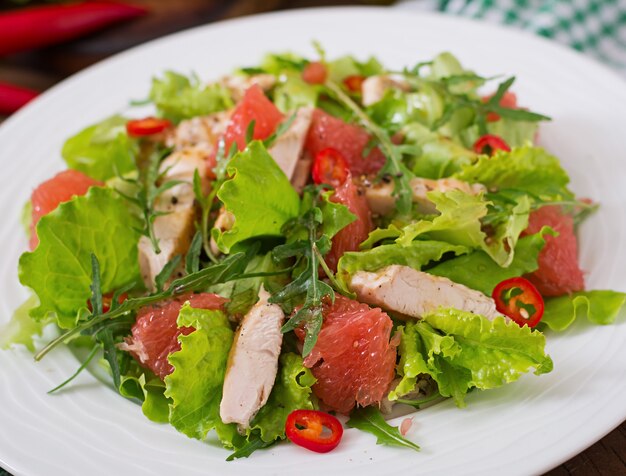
x,y
350,140
559,272
155,333
353,359
48,195
254,106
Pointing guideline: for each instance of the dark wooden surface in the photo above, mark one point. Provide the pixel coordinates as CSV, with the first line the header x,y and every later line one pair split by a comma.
x,y
42,69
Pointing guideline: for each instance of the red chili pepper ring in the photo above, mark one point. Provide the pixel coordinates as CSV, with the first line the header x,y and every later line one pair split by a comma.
x,y
519,299
314,430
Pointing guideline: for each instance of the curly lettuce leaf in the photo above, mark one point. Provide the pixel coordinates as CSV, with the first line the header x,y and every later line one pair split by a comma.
x,y
258,194
195,385
292,391
22,329
478,271
461,350
416,255
335,216
440,156
293,92
178,97
600,307
460,223
102,150
150,391
527,169
345,66
59,270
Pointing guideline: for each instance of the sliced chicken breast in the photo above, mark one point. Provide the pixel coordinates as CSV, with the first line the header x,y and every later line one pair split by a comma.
x,y
201,132
373,88
381,200
412,293
175,229
252,363
287,150
238,84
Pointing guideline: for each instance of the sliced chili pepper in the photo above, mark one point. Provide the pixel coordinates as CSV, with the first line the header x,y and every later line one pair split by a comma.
x,y
14,97
491,142
314,73
34,27
147,126
509,101
519,299
330,167
314,430
354,83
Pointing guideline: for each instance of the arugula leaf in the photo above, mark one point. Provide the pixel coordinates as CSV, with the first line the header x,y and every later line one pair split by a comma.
x,y
370,420
527,169
600,307
253,443
99,223
461,350
195,385
258,194
292,391
178,97
103,150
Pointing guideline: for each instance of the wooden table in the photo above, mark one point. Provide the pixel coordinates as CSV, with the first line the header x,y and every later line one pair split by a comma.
x,y
42,69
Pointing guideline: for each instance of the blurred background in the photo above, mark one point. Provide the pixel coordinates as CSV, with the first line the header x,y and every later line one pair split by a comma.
x,y
44,41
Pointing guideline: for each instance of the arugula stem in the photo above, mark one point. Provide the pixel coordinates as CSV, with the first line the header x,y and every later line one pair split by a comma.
x,y
327,270
84,365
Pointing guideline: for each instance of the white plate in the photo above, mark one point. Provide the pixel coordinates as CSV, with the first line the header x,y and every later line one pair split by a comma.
x,y
524,428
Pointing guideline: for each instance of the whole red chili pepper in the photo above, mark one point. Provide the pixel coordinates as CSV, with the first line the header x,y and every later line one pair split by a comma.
x,y
13,97
34,27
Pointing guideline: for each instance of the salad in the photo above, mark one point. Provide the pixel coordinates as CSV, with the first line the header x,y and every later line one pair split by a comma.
x,y
303,239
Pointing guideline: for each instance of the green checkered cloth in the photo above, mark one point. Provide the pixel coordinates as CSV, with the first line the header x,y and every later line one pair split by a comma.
x,y
596,27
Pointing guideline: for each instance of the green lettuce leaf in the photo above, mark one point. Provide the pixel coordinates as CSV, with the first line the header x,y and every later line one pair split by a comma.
x,y
293,92
335,216
460,223
59,270
292,391
258,194
345,66
178,97
478,271
195,385
600,307
440,157
461,350
22,329
102,150
417,254
150,391
514,133
528,169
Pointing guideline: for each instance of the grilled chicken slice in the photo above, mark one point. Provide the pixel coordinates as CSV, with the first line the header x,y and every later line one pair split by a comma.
x,y
175,229
201,132
287,150
373,88
238,84
412,293
381,200
252,363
